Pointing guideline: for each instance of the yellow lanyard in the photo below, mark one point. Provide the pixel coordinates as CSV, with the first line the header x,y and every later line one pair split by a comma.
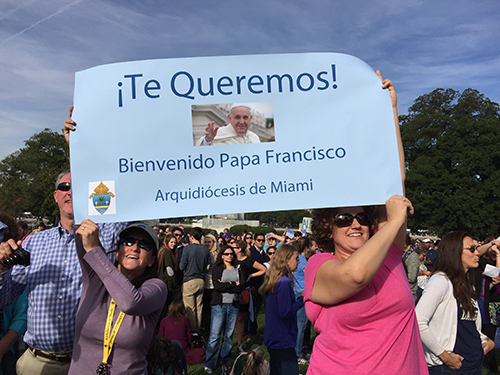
x,y
110,335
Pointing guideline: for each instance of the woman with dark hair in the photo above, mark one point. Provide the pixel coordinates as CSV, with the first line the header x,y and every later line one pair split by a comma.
x,y
280,334
167,265
229,282
251,268
448,314
356,291
120,304
270,251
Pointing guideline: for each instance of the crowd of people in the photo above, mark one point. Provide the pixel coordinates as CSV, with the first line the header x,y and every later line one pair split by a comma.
x,y
294,277
128,298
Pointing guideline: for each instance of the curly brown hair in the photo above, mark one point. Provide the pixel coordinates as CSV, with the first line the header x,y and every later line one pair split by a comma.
x,y
322,226
160,353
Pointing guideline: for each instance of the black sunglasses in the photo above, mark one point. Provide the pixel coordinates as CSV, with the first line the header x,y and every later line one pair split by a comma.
x,y
64,186
345,220
228,254
131,241
472,248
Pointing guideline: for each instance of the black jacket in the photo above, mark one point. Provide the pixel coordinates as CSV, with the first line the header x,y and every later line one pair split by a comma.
x,y
230,287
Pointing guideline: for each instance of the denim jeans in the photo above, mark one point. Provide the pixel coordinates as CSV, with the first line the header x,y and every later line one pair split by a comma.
x,y
301,324
283,361
223,318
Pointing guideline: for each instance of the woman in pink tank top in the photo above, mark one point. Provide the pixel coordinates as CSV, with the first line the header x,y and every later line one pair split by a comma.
x,y
356,292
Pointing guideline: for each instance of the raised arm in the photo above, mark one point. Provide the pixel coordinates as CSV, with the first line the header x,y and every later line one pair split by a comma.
x,y
335,281
69,125
129,299
489,246
387,84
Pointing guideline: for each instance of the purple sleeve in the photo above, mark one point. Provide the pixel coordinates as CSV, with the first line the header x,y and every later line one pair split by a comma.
x,y
287,304
132,301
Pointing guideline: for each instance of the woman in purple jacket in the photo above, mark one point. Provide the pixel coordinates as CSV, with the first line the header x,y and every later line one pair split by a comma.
x,y
120,304
280,335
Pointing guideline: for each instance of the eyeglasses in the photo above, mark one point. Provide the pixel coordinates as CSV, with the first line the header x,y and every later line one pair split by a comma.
x,y
64,186
130,241
228,254
270,253
248,238
346,220
177,234
260,240
471,248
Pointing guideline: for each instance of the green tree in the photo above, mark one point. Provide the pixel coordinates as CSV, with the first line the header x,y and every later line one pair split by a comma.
x,y
291,219
27,176
453,162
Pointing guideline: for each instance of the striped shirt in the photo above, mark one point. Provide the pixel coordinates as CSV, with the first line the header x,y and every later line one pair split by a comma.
x,y
54,281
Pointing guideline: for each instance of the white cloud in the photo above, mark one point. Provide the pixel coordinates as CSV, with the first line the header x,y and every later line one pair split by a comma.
x,y
419,45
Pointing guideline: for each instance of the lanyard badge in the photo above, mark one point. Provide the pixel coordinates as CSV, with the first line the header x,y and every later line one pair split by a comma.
x,y
109,338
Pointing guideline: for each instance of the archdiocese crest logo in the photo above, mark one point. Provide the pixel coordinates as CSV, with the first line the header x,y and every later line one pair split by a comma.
x,y
102,199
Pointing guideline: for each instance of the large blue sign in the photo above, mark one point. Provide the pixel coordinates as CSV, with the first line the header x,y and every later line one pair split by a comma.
x,y
215,135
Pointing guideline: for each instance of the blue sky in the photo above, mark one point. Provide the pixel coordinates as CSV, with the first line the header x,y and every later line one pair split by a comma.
x,y
420,45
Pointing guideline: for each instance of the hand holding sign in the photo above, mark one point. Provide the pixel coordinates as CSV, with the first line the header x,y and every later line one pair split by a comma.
x,y
69,125
308,118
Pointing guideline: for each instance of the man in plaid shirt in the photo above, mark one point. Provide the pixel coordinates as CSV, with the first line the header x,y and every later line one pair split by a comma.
x,y
54,281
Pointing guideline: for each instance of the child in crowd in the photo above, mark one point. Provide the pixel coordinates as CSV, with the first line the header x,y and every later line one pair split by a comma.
x,y
280,334
166,357
251,363
176,326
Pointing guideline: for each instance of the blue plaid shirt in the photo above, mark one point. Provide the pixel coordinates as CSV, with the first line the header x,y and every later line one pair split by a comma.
x,y
54,280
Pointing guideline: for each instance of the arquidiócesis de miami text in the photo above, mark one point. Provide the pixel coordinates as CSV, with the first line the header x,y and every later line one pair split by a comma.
x,y
226,160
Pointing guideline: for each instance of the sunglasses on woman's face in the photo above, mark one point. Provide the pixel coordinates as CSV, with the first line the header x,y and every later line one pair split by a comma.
x,y
346,220
471,248
130,241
